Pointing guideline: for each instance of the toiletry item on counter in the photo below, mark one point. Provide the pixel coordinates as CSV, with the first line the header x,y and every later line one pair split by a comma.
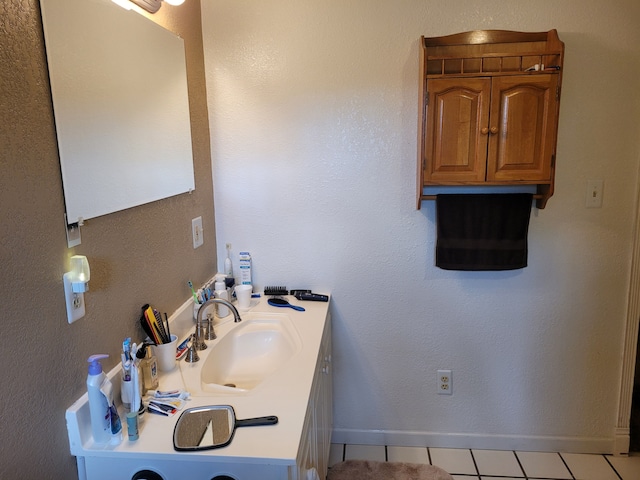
x,y
219,282
182,348
165,354
245,268
154,326
276,290
281,302
193,292
167,403
132,426
222,293
300,294
159,408
171,394
128,356
126,392
148,367
309,296
99,407
228,266
243,294
136,387
114,418
125,382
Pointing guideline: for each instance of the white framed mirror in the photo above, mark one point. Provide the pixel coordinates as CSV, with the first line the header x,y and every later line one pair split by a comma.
x,y
120,100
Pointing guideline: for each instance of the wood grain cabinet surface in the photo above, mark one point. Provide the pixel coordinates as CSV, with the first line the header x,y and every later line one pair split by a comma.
x,y
489,104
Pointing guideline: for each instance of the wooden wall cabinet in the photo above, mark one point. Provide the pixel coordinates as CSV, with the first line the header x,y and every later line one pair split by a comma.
x,y
489,103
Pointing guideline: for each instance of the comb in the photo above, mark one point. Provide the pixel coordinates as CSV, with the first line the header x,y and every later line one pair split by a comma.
x,y
153,325
276,290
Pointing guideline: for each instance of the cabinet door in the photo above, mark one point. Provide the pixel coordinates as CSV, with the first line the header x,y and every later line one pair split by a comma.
x,y
457,120
325,406
522,126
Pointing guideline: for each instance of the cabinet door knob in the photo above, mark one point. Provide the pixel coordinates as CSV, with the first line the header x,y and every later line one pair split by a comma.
x,y
484,130
494,130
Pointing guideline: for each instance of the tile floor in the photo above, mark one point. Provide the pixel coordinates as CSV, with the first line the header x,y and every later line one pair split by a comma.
x,y
499,465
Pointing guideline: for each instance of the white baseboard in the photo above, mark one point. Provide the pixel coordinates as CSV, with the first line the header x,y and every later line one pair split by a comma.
x,y
622,441
606,445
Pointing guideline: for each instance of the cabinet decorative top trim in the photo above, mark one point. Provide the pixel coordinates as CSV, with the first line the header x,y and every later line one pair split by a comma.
x,y
481,37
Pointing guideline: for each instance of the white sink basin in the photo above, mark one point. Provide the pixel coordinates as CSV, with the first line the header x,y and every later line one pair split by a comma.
x,y
249,354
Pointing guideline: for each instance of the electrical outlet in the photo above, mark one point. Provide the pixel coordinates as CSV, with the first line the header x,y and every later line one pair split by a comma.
x,y
74,301
594,193
197,233
444,382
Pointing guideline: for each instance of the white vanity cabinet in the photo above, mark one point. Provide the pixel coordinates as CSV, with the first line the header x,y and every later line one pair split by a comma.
x,y
316,434
299,394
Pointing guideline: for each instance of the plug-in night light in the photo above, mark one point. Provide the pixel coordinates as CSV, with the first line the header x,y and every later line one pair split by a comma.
x,y
80,274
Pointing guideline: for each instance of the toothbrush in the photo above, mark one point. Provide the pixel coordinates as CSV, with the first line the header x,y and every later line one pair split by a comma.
x,y
126,347
126,366
135,397
228,266
193,292
125,357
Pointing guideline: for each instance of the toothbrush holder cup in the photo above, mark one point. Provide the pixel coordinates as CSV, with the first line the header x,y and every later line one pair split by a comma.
x,y
166,354
243,294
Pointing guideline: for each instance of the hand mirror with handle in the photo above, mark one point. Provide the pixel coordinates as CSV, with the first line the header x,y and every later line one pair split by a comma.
x,y
208,427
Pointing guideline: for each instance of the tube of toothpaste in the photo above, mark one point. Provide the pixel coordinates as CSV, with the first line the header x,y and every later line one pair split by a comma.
x,y
174,398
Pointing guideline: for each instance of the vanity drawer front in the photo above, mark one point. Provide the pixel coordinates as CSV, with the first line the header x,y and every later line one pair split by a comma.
x,y
109,468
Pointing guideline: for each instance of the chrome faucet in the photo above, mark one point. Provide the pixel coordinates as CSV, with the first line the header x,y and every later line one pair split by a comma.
x,y
226,303
209,333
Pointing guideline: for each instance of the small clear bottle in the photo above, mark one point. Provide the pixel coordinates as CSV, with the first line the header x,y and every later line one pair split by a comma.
x,y
148,368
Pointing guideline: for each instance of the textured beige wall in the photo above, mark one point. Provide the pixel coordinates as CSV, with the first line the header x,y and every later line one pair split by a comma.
x,y
144,254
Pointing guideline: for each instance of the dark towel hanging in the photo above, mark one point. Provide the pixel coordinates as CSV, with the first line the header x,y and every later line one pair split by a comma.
x,y
482,231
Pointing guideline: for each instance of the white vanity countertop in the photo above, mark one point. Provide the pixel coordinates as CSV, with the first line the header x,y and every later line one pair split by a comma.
x,y
285,394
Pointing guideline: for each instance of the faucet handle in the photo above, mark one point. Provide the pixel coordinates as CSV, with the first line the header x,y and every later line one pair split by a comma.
x,y
210,333
202,331
192,353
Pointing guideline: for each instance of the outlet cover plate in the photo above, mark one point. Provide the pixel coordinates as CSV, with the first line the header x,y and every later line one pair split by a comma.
x,y
74,301
197,232
445,382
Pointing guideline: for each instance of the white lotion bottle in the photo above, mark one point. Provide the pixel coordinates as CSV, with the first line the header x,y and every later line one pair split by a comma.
x,y
222,293
98,403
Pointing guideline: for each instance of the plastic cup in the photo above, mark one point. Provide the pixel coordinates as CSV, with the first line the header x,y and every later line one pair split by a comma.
x,y
243,294
166,354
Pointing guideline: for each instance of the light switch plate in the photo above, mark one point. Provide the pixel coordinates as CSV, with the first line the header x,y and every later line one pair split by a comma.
x,y
594,193
196,232
73,234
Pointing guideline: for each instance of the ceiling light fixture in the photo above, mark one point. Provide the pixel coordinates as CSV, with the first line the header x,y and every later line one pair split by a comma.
x,y
126,4
151,6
